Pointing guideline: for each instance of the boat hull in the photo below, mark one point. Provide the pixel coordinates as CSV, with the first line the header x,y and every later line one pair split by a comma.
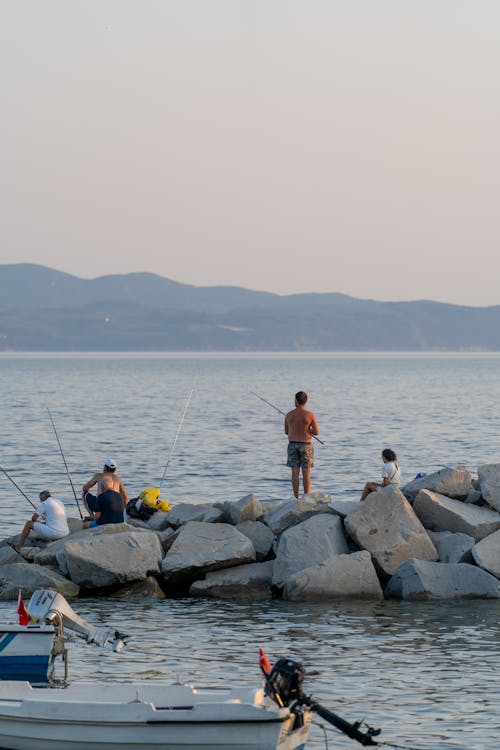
x,y
144,716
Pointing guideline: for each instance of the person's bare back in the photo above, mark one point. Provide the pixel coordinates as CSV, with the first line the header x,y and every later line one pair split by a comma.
x,y
300,425
107,480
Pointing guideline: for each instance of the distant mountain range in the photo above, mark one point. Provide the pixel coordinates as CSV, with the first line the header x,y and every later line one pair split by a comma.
x,y
45,310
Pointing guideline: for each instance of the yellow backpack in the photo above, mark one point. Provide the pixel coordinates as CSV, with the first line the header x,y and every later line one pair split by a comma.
x,y
150,497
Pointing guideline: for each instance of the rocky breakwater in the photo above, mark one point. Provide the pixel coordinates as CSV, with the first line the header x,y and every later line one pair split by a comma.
x,y
438,538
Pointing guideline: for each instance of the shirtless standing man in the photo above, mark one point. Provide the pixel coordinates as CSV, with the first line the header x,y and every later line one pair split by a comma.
x,y
111,498
300,426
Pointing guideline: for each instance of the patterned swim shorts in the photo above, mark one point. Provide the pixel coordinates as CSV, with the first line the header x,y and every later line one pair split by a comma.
x,y
300,455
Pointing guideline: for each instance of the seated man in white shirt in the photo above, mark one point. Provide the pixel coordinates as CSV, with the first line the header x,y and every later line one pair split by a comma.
x,y
54,524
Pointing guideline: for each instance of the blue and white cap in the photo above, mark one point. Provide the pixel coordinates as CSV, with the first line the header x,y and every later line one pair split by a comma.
x,y
110,463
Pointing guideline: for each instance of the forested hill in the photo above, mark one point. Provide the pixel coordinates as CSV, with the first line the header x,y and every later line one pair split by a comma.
x,y
45,310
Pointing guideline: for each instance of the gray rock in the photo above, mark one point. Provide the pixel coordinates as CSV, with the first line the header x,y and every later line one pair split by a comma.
x,y
309,543
213,515
105,560
137,523
387,527
271,504
455,483
260,535
343,508
149,588
489,479
340,576
29,578
486,553
474,497
248,508
291,512
48,555
440,513
320,497
74,525
452,547
203,547
250,582
419,579
159,521
182,513
9,555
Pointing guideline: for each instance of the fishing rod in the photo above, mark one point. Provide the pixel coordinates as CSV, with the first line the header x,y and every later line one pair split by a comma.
x,y
17,487
65,464
186,407
281,412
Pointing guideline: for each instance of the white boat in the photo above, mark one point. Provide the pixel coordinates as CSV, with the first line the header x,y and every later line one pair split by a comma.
x,y
146,715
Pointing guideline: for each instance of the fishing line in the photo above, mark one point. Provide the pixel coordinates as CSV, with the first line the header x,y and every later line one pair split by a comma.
x,y
65,464
186,407
281,412
17,487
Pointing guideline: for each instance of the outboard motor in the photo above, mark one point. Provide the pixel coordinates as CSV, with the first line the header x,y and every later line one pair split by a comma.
x,y
49,606
285,681
283,684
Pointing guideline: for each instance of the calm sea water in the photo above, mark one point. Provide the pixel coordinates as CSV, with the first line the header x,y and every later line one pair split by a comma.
x,y
427,673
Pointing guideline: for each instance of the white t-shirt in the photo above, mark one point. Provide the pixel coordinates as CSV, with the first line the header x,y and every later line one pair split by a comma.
x,y
53,512
391,471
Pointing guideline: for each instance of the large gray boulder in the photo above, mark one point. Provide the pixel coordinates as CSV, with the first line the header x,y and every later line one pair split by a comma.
x,y
291,512
309,543
260,535
440,513
489,481
202,547
250,582
419,579
48,555
486,553
29,578
452,547
248,508
340,576
387,527
455,483
106,560
182,513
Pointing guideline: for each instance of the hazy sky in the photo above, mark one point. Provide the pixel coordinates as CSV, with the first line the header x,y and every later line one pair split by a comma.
x,y
284,145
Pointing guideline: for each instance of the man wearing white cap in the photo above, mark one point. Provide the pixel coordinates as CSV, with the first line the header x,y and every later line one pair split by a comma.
x,y
111,498
48,521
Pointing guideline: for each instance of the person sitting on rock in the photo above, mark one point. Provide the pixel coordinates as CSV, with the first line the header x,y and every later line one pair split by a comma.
x,y
53,524
390,474
111,500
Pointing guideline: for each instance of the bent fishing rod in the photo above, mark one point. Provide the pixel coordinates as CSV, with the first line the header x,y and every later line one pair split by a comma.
x,y
281,412
65,464
17,487
186,407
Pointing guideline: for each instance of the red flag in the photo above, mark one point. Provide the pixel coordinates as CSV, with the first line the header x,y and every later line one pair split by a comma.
x,y
24,617
264,662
